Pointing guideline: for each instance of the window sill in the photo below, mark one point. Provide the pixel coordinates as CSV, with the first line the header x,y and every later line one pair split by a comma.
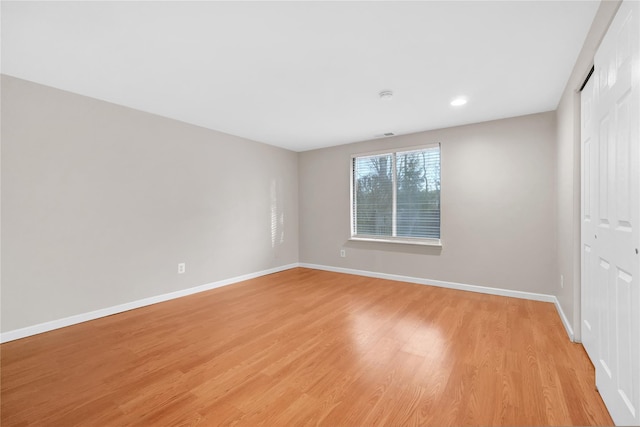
x,y
398,240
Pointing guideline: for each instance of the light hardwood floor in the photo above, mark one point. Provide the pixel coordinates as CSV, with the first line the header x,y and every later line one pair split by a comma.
x,y
307,347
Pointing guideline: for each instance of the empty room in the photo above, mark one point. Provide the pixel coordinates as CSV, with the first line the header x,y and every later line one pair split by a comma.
x,y
365,213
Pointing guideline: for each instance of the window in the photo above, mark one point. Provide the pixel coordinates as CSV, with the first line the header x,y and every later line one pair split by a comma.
x,y
395,196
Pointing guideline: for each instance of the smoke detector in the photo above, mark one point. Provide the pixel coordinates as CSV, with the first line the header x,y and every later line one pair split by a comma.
x,y
386,95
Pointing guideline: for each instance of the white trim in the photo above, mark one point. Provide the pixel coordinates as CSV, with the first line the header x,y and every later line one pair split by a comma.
x,y
399,240
396,150
439,283
565,321
108,311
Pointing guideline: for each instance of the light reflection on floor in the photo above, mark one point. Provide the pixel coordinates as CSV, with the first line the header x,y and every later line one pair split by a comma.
x,y
410,335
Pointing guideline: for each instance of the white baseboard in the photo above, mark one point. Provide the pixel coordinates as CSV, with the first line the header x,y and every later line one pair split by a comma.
x,y
108,311
438,283
452,285
565,321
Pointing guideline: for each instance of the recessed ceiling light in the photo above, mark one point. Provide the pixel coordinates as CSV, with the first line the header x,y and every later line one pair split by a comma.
x,y
461,100
386,94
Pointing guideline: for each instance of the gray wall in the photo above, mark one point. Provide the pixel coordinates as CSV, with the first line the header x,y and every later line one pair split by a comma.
x,y
498,207
568,173
101,202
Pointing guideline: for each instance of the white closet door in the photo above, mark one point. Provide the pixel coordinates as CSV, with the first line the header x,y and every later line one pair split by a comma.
x,y
611,217
589,149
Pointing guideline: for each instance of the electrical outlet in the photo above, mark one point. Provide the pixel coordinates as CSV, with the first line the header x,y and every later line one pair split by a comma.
x,y
343,253
182,268
561,281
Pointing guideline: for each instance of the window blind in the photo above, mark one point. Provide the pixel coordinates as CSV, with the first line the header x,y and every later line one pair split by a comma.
x,y
397,194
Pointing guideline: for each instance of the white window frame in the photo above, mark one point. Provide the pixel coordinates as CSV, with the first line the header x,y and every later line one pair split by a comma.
x,y
391,239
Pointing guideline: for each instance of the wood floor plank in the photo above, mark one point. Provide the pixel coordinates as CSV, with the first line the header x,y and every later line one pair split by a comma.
x,y
307,347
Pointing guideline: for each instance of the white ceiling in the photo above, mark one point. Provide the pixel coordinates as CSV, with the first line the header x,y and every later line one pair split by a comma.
x,y
303,75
